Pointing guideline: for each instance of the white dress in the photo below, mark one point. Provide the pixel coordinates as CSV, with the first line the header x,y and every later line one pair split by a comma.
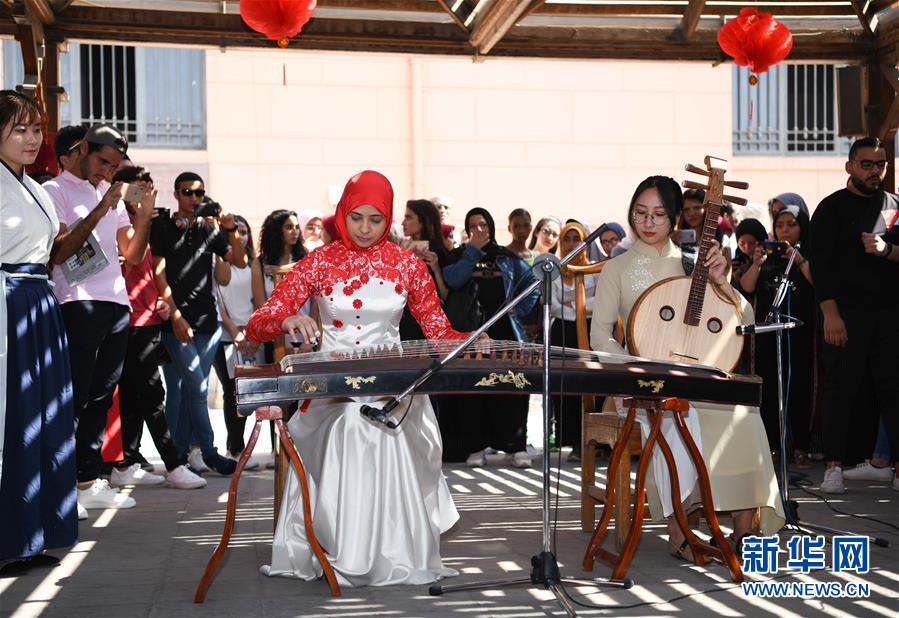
x,y
732,439
379,497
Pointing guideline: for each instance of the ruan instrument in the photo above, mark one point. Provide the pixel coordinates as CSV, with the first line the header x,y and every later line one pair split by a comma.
x,y
677,319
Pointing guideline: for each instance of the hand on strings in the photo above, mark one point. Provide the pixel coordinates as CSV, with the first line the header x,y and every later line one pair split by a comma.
x,y
874,243
301,327
716,263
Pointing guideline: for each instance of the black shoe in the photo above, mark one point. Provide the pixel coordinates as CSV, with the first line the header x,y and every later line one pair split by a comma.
x,y
43,560
15,568
222,465
145,465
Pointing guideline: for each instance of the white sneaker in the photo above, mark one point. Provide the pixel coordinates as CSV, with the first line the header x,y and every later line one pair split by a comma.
x,y
521,459
134,475
82,512
867,472
101,496
182,478
833,481
195,460
252,464
476,460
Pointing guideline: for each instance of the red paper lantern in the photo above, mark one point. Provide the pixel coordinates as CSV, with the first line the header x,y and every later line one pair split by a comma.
x,y
755,40
277,19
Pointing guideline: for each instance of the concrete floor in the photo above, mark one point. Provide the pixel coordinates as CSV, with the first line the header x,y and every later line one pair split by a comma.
x,y
146,561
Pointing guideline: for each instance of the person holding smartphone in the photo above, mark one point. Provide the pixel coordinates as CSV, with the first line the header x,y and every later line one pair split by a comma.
x,y
760,282
421,227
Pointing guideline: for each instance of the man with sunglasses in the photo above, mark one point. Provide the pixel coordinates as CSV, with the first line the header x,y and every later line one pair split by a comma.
x,y
184,246
95,231
853,265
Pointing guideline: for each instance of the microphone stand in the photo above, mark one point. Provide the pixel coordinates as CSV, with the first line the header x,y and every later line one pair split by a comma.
x,y
545,570
791,507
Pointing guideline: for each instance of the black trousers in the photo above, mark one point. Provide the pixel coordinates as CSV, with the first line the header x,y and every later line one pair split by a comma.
x,y
142,397
471,423
873,343
98,336
566,410
234,423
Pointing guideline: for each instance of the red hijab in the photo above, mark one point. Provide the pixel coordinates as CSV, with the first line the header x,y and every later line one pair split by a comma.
x,y
366,187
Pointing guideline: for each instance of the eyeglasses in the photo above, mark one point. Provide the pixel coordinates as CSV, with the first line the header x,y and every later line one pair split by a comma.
x,y
550,233
867,164
189,192
610,241
643,217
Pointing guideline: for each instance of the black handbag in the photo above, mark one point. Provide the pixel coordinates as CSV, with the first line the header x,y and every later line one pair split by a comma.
x,y
462,307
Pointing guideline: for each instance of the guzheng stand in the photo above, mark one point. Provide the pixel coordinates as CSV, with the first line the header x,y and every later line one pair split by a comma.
x,y
545,569
276,414
656,410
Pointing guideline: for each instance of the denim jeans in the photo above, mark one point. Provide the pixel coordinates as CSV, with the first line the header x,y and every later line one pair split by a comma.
x,y
187,381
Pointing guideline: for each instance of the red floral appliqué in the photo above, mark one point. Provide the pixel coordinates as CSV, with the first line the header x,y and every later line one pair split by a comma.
x,y
337,323
329,290
363,278
356,284
398,289
348,290
357,304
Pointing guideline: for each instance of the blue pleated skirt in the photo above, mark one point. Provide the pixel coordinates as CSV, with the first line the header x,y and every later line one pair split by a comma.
x,y
38,508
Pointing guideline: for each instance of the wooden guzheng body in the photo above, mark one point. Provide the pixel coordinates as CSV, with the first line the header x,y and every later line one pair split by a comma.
x,y
504,368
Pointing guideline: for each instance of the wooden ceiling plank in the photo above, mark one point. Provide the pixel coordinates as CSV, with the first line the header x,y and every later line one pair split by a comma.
x,y
490,29
41,10
456,18
60,5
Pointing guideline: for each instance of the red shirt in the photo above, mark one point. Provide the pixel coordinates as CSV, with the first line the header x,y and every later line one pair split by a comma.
x,y
142,292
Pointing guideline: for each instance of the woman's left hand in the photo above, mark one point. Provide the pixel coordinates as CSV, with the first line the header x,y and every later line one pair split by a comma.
x,y
716,263
800,260
430,258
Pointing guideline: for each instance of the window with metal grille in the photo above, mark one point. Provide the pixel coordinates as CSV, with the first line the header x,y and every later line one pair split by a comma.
x,y
790,111
156,96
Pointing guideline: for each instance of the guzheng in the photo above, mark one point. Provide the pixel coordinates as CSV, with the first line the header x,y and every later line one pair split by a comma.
x,y
502,367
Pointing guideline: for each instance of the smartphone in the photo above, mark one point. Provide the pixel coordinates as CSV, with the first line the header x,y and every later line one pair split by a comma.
x,y
685,237
418,246
161,212
133,193
774,247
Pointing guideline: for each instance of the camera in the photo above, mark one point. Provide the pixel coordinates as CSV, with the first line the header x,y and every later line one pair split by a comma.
x,y
774,247
207,208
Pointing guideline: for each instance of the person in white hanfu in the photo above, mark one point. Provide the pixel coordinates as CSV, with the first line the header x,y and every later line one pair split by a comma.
x,y
379,498
732,439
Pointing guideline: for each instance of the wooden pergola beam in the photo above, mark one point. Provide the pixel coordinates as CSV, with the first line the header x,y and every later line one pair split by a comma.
x,y
489,29
220,30
457,18
890,120
60,5
41,10
690,21
859,6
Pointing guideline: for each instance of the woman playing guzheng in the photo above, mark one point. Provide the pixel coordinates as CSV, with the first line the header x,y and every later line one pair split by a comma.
x,y
379,498
732,439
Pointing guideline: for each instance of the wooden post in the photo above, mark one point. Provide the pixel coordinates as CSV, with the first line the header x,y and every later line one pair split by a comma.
x,y
52,88
883,112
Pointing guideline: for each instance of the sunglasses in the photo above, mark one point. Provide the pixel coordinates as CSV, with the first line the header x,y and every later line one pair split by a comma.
x,y
197,192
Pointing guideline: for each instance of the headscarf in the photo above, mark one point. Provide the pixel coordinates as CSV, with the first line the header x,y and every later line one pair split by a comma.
x,y
307,215
617,228
789,199
370,188
801,218
581,259
491,248
754,228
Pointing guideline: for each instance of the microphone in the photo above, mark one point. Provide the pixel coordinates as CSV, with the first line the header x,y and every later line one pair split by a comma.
x,y
753,329
380,415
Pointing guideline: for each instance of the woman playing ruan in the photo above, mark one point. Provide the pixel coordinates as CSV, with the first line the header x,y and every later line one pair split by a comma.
x,y
37,439
732,439
376,533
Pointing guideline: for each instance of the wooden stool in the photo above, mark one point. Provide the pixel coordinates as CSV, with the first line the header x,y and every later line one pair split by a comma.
x,y
268,413
655,410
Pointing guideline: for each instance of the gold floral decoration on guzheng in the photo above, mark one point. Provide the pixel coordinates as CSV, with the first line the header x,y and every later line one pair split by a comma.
x,y
655,385
517,379
355,381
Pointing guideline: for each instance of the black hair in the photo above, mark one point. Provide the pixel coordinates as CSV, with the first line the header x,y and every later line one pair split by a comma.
x,y
519,212
538,227
42,177
429,218
271,238
691,194
250,249
67,140
864,142
18,108
190,177
669,191
132,173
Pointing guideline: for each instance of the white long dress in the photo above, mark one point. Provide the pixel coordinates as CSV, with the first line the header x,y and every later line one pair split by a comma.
x,y
732,438
379,497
